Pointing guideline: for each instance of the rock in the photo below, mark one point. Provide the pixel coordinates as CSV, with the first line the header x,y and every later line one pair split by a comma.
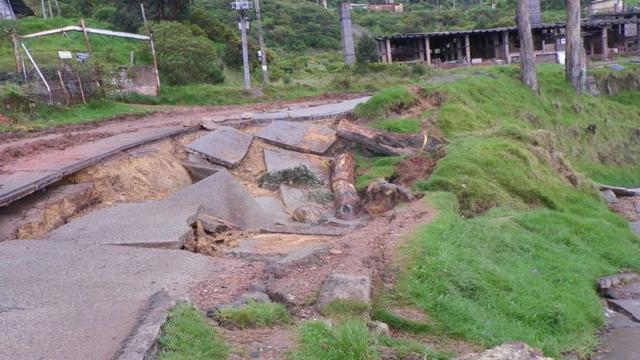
x,y
615,67
255,296
608,196
335,251
380,328
612,286
345,287
309,214
509,351
635,227
257,287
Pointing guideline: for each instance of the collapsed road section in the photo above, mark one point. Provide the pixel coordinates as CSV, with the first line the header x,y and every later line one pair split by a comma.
x,y
264,201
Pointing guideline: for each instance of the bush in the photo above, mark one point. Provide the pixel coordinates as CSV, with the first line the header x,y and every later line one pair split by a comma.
x,y
184,58
366,50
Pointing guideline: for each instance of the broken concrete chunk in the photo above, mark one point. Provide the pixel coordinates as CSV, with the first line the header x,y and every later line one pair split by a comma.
x,y
303,137
292,198
281,160
225,146
199,168
274,208
631,308
635,227
509,351
608,196
211,224
345,287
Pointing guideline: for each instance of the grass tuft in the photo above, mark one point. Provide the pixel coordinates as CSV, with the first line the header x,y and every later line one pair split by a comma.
x,y
187,336
350,340
300,175
254,315
345,309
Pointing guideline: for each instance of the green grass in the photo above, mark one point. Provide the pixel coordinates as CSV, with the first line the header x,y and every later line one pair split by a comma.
x,y
516,249
350,340
397,125
345,309
93,111
498,99
385,103
110,50
187,336
370,169
254,315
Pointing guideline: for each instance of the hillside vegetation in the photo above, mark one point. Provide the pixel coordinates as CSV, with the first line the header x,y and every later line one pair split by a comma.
x,y
520,239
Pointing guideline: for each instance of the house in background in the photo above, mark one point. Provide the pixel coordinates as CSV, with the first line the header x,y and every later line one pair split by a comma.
x,y
12,9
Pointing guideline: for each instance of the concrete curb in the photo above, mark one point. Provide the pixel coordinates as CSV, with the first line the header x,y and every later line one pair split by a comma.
x,y
141,343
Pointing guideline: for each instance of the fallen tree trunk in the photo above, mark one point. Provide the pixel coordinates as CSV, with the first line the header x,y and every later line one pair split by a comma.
x,y
385,143
343,178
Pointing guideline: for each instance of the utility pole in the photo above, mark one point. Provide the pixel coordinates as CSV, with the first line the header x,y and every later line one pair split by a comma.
x,y
263,50
242,6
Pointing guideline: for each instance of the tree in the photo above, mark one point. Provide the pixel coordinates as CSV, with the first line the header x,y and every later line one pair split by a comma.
x,y
184,58
527,56
576,58
366,50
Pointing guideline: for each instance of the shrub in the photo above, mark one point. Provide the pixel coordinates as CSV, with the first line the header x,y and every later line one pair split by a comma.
x,y
366,50
184,58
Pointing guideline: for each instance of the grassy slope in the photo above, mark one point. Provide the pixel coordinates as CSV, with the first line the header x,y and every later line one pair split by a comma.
x,y
525,267
110,50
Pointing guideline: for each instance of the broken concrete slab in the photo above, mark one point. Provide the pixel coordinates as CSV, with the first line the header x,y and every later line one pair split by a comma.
x,y
302,137
305,230
292,198
620,344
630,307
282,160
345,287
60,300
164,223
225,146
274,208
199,168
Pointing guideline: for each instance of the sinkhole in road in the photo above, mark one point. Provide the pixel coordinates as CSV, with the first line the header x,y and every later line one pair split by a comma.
x,y
149,172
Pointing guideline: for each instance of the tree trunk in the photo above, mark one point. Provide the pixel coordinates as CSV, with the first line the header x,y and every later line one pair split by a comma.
x,y
343,178
385,143
527,55
576,59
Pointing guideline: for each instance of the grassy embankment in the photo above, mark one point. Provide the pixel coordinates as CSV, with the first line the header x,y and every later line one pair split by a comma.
x,y
516,249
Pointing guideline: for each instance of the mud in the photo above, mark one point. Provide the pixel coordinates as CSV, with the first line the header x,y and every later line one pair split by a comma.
x,y
15,153
418,167
149,173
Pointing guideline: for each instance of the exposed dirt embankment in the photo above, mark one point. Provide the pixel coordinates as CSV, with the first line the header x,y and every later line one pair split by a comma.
x,y
614,83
